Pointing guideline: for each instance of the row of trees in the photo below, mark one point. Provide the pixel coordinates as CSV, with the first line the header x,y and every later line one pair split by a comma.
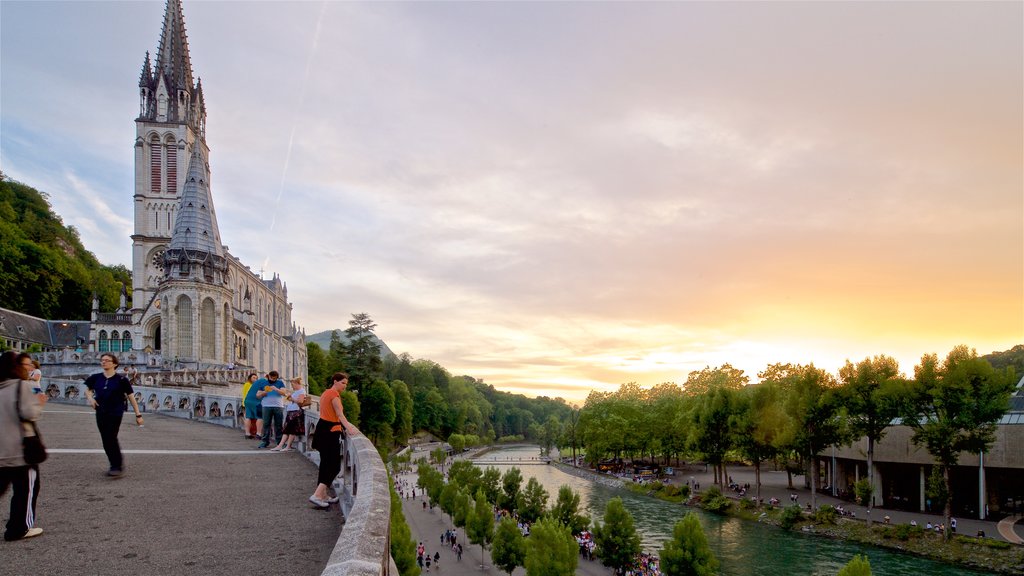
x,y
798,411
37,250
398,395
471,495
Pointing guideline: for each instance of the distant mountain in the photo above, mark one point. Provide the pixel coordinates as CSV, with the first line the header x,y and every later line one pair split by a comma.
x,y
324,340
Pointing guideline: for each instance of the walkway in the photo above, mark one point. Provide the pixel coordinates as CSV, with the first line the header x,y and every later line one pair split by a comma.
x,y
195,499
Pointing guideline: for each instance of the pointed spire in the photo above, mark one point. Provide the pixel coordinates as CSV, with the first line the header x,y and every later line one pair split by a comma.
x,y
172,59
195,224
147,72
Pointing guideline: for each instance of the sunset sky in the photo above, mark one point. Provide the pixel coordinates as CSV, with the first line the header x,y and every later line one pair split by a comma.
x,y
559,197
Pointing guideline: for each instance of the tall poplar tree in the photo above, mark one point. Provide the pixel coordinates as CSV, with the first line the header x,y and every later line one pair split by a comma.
x,y
509,549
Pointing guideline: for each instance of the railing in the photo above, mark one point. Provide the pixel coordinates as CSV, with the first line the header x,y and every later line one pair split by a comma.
x,y
364,546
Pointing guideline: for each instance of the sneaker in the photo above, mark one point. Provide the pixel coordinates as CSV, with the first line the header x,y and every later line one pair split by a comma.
x,y
331,500
318,502
277,449
262,445
115,472
287,449
32,533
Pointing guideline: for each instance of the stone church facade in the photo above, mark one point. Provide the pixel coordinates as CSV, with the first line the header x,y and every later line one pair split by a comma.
x,y
193,304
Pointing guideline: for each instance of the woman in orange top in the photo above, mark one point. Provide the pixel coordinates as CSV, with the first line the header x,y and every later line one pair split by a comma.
x,y
327,439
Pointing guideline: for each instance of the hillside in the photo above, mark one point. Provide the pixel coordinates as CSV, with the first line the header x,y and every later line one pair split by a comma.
x,y
45,271
1012,357
323,339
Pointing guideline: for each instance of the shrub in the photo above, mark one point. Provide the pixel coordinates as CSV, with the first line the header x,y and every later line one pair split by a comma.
x,y
790,516
826,514
715,501
656,486
747,504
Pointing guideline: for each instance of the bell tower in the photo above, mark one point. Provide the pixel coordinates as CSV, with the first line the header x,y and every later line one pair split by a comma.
x,y
170,126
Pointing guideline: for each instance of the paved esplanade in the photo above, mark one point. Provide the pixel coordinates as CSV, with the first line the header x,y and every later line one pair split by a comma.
x,y
195,499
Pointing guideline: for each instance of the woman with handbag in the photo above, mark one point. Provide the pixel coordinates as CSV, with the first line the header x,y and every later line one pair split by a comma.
x,y
20,407
327,439
294,418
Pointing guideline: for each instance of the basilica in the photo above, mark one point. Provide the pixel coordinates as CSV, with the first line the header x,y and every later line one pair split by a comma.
x,y
193,304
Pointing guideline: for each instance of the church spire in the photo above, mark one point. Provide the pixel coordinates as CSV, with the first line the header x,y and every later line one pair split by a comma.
x,y
195,249
146,77
172,60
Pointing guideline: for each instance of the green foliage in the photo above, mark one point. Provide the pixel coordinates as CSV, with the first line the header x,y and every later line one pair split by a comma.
x,y
714,501
857,566
457,442
466,475
378,412
902,532
463,509
480,524
490,482
403,547
551,550
688,553
826,514
790,516
511,486
616,539
935,489
863,489
509,550
986,542
402,427
316,362
350,405
37,250
534,501
362,353
566,510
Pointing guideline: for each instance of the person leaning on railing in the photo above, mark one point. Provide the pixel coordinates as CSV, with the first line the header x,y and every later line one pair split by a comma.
x,y
327,439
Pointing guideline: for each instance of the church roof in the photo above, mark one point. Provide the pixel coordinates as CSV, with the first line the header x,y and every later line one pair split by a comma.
x,y
195,223
172,59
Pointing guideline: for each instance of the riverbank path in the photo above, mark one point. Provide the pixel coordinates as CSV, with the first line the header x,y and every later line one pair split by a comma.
x,y
195,499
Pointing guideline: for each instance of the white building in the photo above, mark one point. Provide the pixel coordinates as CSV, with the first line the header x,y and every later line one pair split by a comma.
x,y
193,304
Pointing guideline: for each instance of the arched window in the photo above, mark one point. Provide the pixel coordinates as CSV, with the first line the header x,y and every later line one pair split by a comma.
x,y
155,153
184,336
208,329
104,343
126,341
171,150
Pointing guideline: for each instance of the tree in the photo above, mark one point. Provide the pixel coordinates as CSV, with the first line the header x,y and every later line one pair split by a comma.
x,y
712,431
490,482
534,501
480,524
552,430
857,566
566,510
463,509
509,549
350,405
759,425
511,483
688,553
403,548
448,497
316,362
362,353
815,422
378,412
954,407
551,550
402,427
617,541
466,475
871,395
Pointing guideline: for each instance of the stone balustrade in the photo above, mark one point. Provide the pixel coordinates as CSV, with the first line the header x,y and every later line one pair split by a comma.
x,y
364,547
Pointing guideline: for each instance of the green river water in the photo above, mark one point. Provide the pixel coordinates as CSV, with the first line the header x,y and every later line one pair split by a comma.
x,y
743,547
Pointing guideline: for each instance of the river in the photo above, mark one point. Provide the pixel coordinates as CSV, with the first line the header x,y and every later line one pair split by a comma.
x,y
742,547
